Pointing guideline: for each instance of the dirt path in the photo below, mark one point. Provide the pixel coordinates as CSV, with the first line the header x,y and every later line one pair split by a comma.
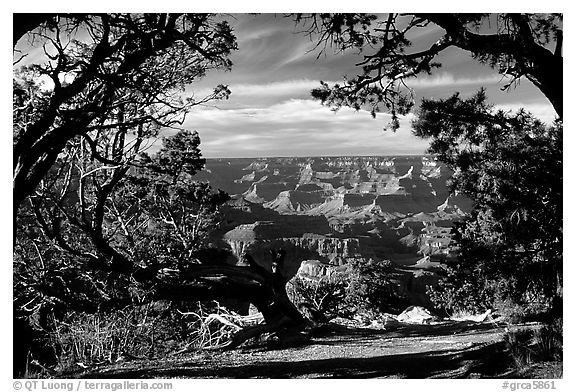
x,y
452,350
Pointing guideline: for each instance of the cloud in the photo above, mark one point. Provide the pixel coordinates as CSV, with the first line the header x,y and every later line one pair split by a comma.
x,y
446,79
302,52
280,88
299,127
256,33
271,113
300,88
261,95
541,110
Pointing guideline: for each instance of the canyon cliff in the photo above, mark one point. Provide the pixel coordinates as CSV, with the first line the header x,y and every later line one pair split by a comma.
x,y
335,209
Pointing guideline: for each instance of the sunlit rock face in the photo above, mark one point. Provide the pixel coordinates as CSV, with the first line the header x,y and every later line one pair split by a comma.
x,y
297,201
260,237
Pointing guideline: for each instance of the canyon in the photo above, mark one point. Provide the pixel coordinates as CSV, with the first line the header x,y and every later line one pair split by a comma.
x,y
335,209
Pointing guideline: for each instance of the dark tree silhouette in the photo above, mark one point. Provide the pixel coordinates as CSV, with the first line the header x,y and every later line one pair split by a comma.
x,y
510,165
516,45
107,71
95,218
96,237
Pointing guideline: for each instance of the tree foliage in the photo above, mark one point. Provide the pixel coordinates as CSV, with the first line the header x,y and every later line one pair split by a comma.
x,y
510,165
516,45
89,226
106,72
372,287
367,286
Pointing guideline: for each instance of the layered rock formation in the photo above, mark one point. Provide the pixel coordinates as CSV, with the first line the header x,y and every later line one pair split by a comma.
x,y
332,210
259,237
385,203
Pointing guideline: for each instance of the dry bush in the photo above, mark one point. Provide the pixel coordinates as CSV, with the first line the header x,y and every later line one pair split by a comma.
x,y
326,294
214,325
146,331
153,330
368,287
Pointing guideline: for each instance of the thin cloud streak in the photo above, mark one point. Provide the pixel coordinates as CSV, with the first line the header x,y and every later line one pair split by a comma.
x,y
270,110
288,87
446,79
265,94
302,128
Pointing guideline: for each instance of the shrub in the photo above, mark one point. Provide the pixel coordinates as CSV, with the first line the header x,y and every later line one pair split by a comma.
x,y
527,347
462,290
459,292
153,330
368,286
326,295
373,287
89,339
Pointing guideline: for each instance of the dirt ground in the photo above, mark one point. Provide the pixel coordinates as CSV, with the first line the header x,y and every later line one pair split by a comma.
x,y
444,350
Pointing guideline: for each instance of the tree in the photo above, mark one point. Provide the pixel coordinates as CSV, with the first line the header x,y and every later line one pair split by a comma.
x,y
98,222
97,237
107,71
517,45
510,165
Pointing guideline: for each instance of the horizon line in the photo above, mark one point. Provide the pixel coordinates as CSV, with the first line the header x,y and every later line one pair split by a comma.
x,y
325,156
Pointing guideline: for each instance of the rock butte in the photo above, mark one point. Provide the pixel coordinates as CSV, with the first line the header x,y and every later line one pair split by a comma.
x,y
334,209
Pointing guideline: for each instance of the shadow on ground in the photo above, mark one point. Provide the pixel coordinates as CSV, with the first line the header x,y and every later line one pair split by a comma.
x,y
415,330
480,359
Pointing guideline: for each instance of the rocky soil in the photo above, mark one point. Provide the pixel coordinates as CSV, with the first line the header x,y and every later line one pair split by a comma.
x,y
442,350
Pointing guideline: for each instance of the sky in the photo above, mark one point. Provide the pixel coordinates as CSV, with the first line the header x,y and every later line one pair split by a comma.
x,y
271,113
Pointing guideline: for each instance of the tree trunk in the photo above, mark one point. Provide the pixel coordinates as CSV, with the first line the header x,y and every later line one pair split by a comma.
x,y
541,66
267,291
